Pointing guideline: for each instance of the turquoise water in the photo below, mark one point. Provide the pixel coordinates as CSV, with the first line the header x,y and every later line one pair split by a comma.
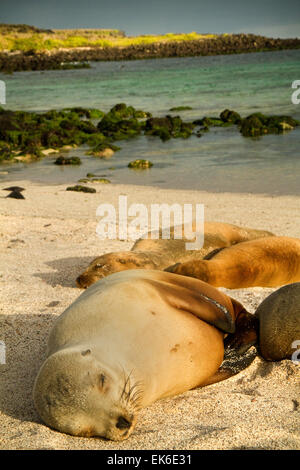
x,y
221,160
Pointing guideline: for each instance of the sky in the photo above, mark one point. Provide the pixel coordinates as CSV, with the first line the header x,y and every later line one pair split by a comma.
x,y
273,18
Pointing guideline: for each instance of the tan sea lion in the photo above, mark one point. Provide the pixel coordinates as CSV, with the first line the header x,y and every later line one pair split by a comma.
x,y
147,253
265,262
129,340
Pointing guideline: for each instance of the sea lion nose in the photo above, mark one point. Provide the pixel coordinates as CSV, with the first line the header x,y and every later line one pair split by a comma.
x,y
81,282
123,423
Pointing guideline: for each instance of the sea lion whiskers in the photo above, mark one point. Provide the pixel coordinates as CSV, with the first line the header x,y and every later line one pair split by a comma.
x,y
127,380
133,395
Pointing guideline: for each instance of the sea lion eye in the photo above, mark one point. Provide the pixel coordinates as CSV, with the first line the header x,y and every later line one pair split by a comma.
x,y
99,265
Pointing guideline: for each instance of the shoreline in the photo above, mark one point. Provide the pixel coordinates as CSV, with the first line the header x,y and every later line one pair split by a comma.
x,y
77,57
46,240
7,178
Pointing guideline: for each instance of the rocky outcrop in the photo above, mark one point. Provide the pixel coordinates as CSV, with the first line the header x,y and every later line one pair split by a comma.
x,y
79,57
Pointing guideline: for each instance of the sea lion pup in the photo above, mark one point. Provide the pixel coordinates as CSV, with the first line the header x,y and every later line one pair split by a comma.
x,y
147,253
127,341
265,262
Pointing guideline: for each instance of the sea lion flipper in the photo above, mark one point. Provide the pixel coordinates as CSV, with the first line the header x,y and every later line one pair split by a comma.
x,y
200,299
246,330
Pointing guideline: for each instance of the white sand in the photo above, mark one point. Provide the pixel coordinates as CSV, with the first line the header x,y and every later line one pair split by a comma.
x,y
47,240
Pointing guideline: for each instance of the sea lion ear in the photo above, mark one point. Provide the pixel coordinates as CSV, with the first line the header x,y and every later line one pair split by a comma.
x,y
197,297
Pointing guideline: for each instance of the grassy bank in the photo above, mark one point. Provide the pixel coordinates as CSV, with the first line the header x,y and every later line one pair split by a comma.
x,y
27,38
25,47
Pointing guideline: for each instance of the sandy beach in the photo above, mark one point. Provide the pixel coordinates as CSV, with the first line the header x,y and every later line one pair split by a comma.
x,y
47,240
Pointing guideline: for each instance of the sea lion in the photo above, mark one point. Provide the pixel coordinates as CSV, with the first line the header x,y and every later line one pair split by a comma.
x,y
265,262
149,253
279,323
130,339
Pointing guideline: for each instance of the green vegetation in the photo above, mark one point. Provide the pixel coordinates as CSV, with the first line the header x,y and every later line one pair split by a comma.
x,y
24,135
29,38
28,136
101,180
181,108
140,164
80,188
211,122
168,127
68,161
230,116
258,124
122,122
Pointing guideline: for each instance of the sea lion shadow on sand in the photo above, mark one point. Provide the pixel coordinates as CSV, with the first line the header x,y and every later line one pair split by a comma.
x,y
66,270
25,338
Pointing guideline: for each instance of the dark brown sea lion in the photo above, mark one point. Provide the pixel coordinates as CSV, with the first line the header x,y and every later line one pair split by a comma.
x,y
147,253
279,323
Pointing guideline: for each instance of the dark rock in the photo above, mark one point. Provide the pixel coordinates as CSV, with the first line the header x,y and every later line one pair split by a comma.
x,y
258,124
252,126
140,164
121,122
230,116
168,126
79,188
67,161
79,57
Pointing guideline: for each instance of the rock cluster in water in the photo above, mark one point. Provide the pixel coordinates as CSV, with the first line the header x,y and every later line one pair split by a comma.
x,y
28,136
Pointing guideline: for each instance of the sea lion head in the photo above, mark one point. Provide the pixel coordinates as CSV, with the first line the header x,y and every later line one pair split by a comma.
x,y
76,394
113,263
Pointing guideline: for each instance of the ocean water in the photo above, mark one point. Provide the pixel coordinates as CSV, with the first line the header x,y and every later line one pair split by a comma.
x,y
221,160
